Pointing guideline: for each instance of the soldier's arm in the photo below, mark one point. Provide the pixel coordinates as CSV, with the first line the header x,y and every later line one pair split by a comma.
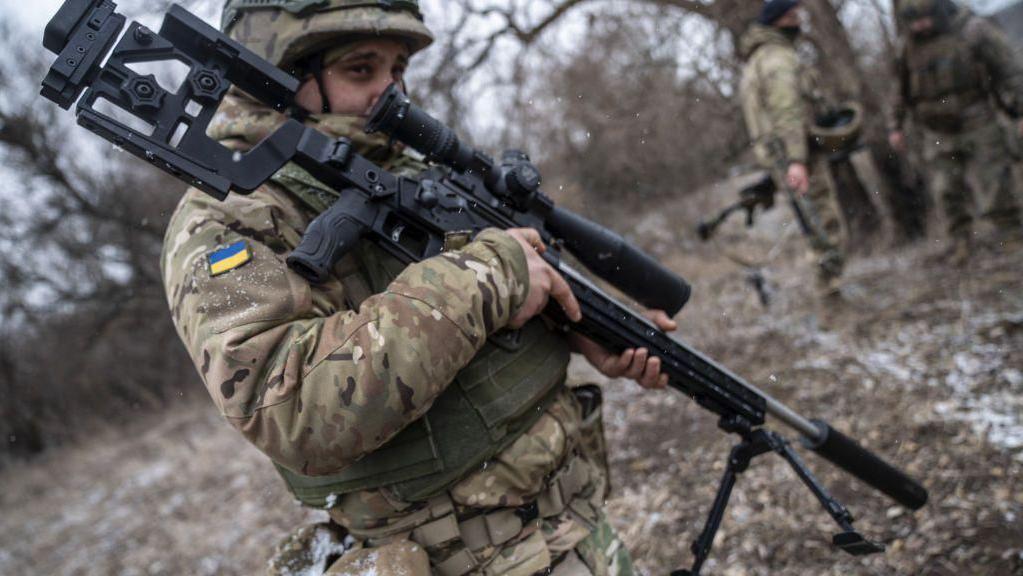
x,y
1001,62
783,102
316,388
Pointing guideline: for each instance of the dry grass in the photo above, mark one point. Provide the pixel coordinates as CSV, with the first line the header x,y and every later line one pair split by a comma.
x,y
180,493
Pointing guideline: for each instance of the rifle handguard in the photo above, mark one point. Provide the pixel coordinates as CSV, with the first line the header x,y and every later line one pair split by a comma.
x,y
845,453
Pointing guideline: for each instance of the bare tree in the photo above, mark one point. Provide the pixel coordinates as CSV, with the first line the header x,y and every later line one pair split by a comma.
x,y
623,121
527,22
86,333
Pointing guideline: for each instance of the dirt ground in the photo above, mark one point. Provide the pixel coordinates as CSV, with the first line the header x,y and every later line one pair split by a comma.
x,y
920,362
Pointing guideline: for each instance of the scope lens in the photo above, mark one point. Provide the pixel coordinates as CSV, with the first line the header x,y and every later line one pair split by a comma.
x,y
387,112
396,116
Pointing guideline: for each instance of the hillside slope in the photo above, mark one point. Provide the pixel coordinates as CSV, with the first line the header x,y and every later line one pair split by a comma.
x,y
920,362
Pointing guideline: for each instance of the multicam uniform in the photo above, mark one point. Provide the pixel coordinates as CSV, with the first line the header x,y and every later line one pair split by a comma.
x,y
778,100
391,396
952,83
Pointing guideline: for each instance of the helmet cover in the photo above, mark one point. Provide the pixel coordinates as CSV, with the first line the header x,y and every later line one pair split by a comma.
x,y
285,31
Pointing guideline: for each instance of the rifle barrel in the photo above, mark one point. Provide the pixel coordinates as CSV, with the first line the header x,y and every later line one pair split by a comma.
x,y
717,389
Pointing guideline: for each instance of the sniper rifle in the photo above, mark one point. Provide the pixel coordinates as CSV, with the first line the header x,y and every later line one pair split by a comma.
x,y
466,192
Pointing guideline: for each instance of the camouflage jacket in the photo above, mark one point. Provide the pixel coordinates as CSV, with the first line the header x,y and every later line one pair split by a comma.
x,y
959,73
777,95
308,380
315,384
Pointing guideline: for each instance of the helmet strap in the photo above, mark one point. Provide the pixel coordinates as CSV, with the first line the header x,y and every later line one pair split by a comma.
x,y
315,67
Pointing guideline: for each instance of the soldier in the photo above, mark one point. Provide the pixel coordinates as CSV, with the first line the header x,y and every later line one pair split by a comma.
x,y
424,407
955,70
779,97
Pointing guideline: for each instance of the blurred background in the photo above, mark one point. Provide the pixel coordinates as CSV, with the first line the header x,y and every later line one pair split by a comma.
x,y
114,461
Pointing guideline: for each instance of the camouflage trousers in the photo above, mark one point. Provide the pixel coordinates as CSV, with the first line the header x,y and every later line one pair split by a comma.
x,y
600,554
821,207
578,541
561,531
984,153
323,549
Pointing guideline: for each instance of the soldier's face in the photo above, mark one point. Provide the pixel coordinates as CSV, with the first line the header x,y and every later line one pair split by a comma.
x,y
355,81
791,19
921,25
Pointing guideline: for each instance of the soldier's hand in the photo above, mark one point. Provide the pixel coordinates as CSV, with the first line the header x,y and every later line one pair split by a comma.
x,y
544,282
635,364
897,140
798,178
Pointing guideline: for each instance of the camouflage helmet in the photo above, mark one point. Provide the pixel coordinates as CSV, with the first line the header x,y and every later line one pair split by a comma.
x,y
839,129
284,31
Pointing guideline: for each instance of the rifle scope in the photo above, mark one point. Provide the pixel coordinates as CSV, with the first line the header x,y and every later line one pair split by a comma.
x,y
396,116
601,250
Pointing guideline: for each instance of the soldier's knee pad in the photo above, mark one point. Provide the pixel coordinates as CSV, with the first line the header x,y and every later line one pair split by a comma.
x,y
402,557
308,550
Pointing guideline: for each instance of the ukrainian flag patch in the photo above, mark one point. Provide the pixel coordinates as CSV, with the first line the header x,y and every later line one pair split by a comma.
x,y
226,259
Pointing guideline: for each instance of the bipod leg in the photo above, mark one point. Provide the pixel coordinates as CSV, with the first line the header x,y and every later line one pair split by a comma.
x,y
754,444
849,539
707,228
756,279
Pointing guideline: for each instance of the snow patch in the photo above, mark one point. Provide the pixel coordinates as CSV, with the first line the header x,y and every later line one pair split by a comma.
x,y
152,474
890,364
980,397
994,415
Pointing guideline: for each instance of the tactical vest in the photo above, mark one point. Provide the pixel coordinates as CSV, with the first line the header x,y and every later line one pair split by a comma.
x,y
496,398
945,77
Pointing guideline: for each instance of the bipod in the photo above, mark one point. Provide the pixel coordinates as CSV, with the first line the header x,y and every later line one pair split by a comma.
x,y
757,441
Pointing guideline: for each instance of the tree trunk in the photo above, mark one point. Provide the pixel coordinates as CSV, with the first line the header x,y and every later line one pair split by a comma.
x,y
903,193
851,194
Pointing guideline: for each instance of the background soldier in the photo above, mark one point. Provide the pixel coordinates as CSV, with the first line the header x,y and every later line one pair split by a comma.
x,y
392,396
779,97
954,71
